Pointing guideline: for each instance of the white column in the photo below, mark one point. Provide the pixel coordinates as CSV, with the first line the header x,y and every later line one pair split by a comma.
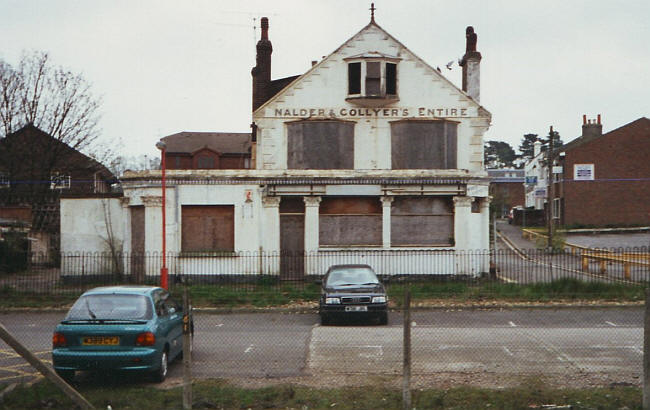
x,y
271,234
386,203
485,240
485,222
462,223
462,215
312,203
152,233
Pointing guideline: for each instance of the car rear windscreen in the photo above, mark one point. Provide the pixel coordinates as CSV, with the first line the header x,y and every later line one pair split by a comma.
x,y
111,306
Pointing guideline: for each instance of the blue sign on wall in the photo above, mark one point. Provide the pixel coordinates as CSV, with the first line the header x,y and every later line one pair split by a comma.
x,y
531,179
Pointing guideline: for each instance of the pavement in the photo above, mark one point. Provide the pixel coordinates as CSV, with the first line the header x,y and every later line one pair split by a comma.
x,y
513,234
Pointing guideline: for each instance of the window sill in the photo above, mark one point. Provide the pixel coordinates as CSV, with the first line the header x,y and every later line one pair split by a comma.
x,y
373,101
208,254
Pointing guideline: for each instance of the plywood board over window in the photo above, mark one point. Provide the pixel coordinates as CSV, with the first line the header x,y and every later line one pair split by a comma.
x,y
422,221
320,145
422,144
208,228
350,221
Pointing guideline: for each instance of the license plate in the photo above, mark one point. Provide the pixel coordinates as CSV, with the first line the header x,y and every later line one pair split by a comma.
x,y
356,308
101,341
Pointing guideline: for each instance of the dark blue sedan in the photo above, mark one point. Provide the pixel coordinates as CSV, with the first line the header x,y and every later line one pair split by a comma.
x,y
121,328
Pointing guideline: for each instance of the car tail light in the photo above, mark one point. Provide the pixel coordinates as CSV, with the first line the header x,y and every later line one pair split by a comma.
x,y
58,340
145,339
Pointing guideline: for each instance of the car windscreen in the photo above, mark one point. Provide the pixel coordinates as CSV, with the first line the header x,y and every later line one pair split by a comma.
x,y
351,276
111,306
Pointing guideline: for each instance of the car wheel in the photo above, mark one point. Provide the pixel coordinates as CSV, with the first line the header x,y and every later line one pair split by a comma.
x,y
161,373
67,375
383,318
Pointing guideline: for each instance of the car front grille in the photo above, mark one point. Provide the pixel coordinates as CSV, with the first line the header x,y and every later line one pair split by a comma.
x,y
355,299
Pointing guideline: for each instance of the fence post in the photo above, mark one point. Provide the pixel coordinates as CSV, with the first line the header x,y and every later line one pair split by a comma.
x,y
646,352
187,350
406,382
46,371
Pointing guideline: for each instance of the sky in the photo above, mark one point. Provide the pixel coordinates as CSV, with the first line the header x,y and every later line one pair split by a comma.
x,y
163,67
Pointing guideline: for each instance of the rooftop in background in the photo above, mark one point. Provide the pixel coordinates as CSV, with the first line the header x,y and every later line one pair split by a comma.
x,y
506,175
222,142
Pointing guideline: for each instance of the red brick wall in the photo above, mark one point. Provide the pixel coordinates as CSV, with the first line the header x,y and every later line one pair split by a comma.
x,y
620,192
505,195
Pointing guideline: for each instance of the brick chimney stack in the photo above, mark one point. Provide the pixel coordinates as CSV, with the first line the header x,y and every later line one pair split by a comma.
x,y
262,71
471,64
591,128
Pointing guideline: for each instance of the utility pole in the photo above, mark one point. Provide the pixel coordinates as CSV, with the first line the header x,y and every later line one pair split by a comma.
x,y
550,194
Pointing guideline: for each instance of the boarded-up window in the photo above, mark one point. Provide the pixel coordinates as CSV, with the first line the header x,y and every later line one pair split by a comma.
x,y
208,228
422,221
320,145
347,221
391,79
373,78
354,78
423,145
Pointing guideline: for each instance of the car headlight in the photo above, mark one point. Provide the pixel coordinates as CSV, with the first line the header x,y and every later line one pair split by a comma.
x,y
332,301
379,299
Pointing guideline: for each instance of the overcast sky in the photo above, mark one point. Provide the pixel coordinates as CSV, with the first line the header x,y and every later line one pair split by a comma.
x,y
169,66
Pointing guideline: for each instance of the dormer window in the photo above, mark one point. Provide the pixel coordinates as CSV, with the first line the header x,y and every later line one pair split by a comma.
x,y
372,79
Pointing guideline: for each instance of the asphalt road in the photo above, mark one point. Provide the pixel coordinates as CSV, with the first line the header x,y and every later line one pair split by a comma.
x,y
270,345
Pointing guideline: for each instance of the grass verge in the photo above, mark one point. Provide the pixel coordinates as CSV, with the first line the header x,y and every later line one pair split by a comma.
x,y
306,294
216,394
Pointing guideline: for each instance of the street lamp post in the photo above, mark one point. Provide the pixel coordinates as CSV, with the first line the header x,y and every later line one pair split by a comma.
x,y
163,270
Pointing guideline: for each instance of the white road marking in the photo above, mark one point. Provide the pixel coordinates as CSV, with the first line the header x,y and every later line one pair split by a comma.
x,y
219,325
611,324
512,324
638,350
249,348
505,349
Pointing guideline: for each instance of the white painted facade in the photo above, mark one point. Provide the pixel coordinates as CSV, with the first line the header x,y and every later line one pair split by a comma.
x,y
256,195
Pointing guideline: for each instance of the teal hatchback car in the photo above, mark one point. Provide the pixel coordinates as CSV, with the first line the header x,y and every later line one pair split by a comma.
x,y
121,328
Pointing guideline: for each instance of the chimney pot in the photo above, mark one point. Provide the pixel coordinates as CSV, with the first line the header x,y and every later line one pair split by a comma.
x,y
598,118
313,62
265,28
584,119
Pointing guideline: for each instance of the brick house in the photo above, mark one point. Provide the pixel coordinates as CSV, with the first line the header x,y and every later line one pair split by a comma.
x,y
208,150
605,178
506,189
36,170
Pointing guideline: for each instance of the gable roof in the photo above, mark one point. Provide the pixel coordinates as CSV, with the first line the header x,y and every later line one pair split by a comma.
x,y
81,160
222,142
482,110
641,125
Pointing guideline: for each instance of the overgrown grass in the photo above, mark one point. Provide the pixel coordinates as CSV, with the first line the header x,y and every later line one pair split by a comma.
x,y
273,294
216,394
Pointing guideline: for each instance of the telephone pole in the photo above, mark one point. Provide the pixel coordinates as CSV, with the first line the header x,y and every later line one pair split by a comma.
x,y
550,194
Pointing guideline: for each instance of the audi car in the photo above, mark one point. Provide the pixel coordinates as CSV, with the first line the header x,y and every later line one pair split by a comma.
x,y
352,291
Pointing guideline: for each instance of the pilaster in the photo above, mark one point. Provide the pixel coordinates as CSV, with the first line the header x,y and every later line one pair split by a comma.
x,y
386,206
312,204
271,225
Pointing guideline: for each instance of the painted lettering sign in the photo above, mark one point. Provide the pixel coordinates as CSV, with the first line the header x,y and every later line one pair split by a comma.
x,y
371,112
583,172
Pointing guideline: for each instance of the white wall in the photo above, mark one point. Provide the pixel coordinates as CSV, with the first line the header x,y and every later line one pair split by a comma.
x,y
84,224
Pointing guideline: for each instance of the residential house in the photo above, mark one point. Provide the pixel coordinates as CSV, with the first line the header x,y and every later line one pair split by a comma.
x,y
36,170
506,189
605,178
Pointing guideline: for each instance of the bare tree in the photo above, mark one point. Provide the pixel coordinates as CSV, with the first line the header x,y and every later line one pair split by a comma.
x,y
54,99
